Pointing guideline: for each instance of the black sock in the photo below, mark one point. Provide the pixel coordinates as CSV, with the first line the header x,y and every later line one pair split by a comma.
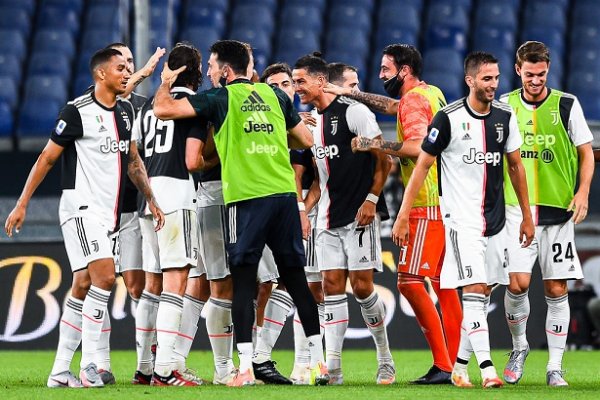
x,y
242,307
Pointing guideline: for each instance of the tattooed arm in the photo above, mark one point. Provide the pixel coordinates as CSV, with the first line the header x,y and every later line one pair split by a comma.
x,y
406,149
137,174
376,102
141,74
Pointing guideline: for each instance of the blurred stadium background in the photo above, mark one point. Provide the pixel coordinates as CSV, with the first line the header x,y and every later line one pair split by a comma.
x,y
45,46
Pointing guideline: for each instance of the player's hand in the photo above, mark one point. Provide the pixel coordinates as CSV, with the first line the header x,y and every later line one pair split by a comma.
x,y
169,76
337,90
305,222
579,206
15,220
158,215
400,232
366,213
153,61
526,232
308,118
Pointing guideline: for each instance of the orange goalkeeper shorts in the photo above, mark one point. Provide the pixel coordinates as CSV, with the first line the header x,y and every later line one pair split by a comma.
x,y
424,254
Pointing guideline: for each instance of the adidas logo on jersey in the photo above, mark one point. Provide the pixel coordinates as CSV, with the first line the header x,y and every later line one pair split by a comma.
x,y
254,103
466,137
102,129
364,259
530,122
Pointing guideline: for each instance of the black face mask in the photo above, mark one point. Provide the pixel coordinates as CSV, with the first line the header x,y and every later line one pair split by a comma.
x,y
222,81
393,85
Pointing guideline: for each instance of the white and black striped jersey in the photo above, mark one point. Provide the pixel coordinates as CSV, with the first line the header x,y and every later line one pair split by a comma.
x,y
163,146
94,163
470,150
134,102
345,177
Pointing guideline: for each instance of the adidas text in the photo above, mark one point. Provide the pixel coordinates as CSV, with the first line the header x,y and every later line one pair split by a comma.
x,y
255,107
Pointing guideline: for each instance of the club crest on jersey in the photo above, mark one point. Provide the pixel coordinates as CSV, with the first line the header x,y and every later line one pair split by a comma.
x,y
113,146
554,114
126,119
499,132
60,127
433,134
334,125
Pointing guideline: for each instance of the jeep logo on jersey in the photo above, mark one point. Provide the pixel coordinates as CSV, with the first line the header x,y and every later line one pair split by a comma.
x,y
270,149
327,151
540,139
251,126
112,146
254,103
480,157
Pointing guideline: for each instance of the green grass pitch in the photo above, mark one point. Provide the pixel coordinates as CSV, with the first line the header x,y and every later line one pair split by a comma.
x,y
23,376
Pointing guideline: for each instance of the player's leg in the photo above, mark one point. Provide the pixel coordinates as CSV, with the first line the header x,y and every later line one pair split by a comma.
x,y
363,247
145,326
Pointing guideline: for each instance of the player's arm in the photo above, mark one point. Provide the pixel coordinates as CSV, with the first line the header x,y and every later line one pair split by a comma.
x,y
165,106
141,74
516,172
299,137
376,102
194,161
579,204
407,149
40,169
366,212
137,173
304,221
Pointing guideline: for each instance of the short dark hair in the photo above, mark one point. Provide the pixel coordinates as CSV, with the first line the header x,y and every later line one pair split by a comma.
x,y
232,52
405,54
116,45
336,71
276,68
533,52
186,54
102,56
314,64
476,59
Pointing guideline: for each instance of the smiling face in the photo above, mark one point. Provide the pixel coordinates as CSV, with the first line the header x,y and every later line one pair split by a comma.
x,y
533,78
307,87
485,83
283,82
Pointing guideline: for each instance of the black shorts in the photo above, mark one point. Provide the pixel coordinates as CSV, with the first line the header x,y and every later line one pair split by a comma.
x,y
274,221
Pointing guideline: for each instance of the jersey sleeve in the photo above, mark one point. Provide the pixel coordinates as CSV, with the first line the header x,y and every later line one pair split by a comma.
x,y
440,133
514,140
578,129
201,104
198,129
415,114
68,126
301,157
136,130
361,121
287,107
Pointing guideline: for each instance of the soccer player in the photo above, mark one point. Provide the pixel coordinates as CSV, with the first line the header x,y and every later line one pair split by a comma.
x,y
343,75
172,251
347,228
469,138
93,134
401,67
255,117
557,154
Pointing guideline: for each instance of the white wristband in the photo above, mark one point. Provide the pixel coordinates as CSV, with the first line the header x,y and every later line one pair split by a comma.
x,y
301,206
372,198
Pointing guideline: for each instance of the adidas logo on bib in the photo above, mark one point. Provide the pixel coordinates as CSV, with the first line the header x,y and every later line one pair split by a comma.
x,y
254,103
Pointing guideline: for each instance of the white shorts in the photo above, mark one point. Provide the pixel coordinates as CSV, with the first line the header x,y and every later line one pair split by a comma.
x,y
471,258
86,240
212,217
350,247
129,244
173,246
554,245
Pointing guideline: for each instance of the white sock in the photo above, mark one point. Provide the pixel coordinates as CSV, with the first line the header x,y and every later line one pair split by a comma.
x,y
301,350
276,311
373,312
557,328
220,333
187,332
321,310
245,351
103,358
93,312
69,335
168,322
475,325
336,324
145,331
315,346
465,350
516,307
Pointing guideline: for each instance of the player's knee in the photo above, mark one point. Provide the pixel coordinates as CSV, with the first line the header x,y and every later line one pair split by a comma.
x,y
362,288
556,290
332,287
